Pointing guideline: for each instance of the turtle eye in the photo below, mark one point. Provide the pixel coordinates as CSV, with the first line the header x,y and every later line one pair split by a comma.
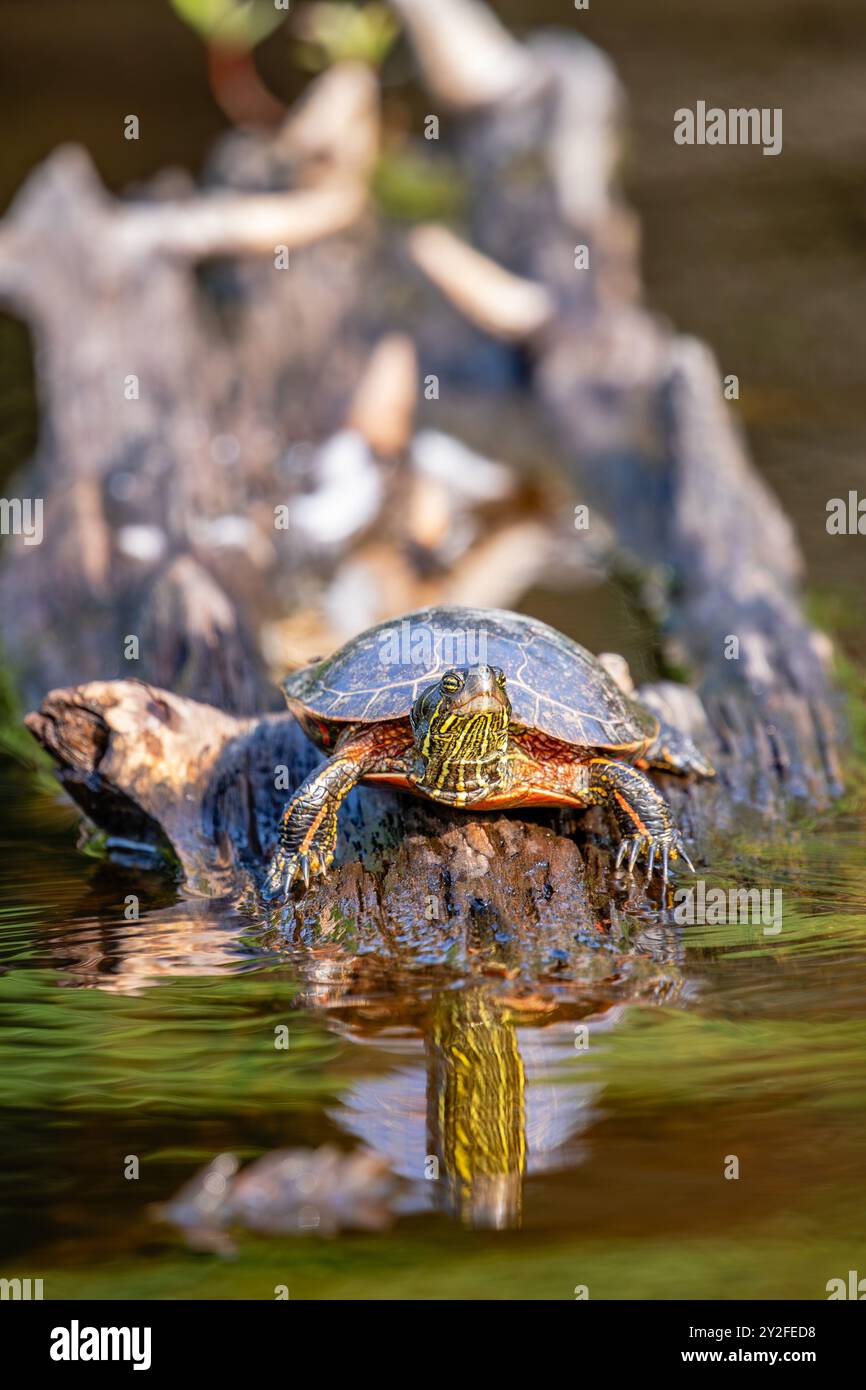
x,y
500,678
452,682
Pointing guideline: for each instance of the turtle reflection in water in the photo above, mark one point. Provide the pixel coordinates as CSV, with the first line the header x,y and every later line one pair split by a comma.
x,y
538,722
490,1108
488,1123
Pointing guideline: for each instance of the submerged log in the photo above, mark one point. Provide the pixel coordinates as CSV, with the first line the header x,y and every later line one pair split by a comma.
x,y
287,1192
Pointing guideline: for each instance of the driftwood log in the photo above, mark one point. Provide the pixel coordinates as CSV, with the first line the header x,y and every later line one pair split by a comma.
x,y
138,492
416,888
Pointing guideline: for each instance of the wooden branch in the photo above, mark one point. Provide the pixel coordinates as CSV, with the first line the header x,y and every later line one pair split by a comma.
x,y
234,224
383,407
137,760
467,58
334,129
498,302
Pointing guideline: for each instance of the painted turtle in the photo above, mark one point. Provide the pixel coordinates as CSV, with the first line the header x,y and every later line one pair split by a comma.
x,y
477,708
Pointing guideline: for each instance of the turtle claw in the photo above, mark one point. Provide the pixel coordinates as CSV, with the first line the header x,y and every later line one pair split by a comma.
x,y
682,853
278,883
288,868
669,842
631,845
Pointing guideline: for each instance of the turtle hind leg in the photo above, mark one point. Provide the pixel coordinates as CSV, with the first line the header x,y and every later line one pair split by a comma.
x,y
674,751
642,815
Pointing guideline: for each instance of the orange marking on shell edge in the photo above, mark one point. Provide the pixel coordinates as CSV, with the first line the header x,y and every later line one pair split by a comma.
x,y
632,813
529,797
511,799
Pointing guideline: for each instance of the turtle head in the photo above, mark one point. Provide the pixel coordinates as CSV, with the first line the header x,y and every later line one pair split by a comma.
x,y
460,725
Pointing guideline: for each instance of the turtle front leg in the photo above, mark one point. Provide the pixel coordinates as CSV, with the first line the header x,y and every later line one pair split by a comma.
x,y
642,814
308,829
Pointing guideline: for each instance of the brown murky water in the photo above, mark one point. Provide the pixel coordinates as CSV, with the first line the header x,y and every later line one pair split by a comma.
x,y
558,1164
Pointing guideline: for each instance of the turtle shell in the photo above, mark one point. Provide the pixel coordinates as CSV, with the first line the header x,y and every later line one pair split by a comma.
x,y
555,685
